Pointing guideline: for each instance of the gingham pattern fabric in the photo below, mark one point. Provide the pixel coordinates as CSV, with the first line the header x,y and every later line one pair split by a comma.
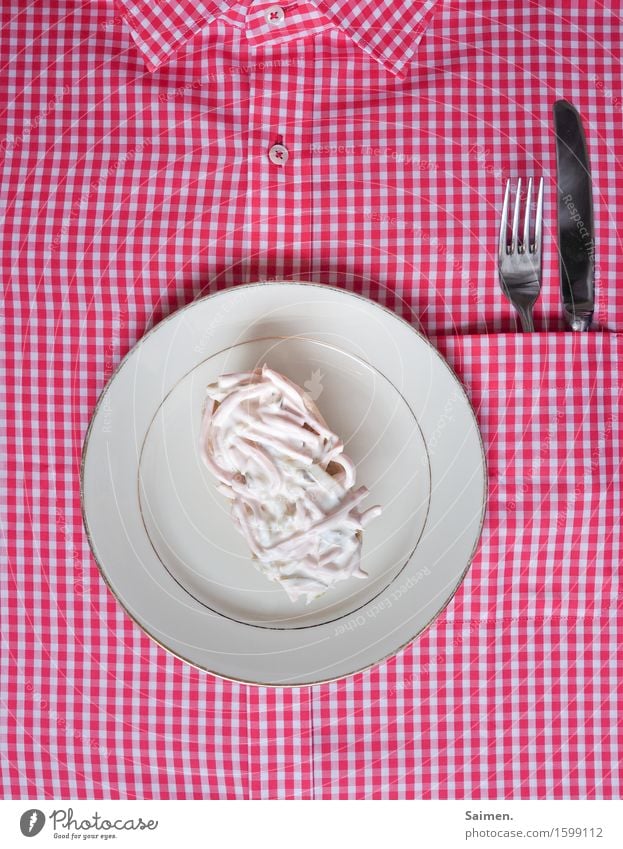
x,y
135,177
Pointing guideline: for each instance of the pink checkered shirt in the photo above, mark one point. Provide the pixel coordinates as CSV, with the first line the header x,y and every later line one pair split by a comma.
x,y
137,174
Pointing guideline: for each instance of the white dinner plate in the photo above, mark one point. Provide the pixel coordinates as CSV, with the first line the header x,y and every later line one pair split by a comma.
x,y
161,532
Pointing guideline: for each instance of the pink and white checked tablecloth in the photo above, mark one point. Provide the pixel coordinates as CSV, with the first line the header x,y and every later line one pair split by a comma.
x,y
134,143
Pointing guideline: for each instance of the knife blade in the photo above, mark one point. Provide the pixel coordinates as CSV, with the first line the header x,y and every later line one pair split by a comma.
x,y
576,243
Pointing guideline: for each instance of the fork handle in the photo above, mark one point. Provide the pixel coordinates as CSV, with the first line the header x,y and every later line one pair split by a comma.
x,y
527,322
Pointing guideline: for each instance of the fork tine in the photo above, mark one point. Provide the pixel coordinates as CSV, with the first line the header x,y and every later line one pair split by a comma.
x,y
515,233
525,239
538,227
519,262
504,222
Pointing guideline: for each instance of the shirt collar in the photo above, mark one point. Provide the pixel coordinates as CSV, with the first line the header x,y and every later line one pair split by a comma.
x,y
388,30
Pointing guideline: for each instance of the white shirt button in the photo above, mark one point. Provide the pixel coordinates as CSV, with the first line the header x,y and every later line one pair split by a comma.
x,y
275,16
278,154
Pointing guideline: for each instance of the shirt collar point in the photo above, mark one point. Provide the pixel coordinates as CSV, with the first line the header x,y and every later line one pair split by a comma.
x,y
401,72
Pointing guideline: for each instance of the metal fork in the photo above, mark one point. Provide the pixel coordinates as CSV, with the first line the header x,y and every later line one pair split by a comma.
x,y
519,261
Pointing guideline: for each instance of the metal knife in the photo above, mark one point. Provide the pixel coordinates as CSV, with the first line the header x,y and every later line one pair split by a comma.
x,y
576,244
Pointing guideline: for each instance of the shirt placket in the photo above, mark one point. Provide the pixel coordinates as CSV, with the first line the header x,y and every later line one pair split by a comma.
x,y
278,237
278,214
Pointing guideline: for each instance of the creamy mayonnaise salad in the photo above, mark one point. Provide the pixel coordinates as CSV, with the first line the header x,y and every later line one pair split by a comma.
x,y
292,488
